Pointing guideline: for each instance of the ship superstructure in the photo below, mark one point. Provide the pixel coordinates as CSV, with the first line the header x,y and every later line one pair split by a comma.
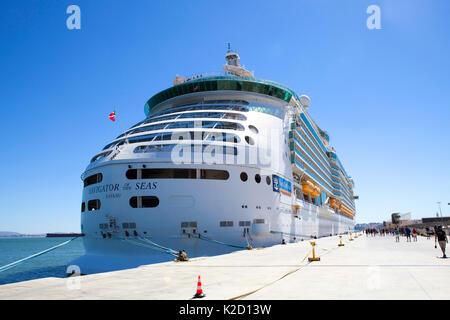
x,y
222,161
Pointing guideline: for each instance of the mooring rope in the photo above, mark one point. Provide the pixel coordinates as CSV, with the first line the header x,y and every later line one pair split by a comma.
x,y
157,245
149,246
270,283
223,243
285,275
18,262
248,244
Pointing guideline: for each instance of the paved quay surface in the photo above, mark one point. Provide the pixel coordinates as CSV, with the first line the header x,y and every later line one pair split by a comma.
x,y
365,268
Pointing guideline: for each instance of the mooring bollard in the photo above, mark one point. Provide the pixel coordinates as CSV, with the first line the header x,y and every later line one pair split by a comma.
x,y
350,237
340,243
313,258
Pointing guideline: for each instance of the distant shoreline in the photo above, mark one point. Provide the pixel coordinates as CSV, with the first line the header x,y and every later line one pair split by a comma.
x,y
24,236
10,234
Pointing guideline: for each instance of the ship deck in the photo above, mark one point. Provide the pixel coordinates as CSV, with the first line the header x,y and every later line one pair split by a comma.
x,y
365,268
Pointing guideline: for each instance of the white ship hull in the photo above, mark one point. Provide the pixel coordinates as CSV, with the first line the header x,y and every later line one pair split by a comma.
x,y
201,201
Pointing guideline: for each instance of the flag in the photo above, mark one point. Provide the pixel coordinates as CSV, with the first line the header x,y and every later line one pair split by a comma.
x,y
112,116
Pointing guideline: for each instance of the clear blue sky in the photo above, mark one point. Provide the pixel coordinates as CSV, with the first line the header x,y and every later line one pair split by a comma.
x,y
383,95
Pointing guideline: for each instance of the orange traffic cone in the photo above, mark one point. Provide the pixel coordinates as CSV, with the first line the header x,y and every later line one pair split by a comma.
x,y
199,293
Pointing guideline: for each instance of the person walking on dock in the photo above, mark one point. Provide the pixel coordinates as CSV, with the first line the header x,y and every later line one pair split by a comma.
x,y
397,235
408,234
441,237
414,233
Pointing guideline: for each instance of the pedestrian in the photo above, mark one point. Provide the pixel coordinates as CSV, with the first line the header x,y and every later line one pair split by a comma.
x,y
441,238
408,234
414,233
397,235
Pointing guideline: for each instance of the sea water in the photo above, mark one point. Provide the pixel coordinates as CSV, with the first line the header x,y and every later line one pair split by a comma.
x,y
50,264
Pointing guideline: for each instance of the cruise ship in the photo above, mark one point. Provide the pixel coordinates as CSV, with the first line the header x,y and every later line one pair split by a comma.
x,y
222,162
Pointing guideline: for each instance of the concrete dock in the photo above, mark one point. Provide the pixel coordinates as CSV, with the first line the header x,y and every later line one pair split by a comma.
x,y
365,268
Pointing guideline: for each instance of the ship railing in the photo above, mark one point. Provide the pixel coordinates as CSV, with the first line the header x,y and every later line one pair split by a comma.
x,y
209,74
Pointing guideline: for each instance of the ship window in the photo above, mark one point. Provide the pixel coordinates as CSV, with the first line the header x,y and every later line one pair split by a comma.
x,y
214,174
268,180
167,136
132,174
189,124
83,207
96,178
207,105
244,176
249,140
253,129
196,115
94,205
226,223
169,173
112,144
133,202
144,202
129,225
257,178
101,156
189,224
244,223
258,221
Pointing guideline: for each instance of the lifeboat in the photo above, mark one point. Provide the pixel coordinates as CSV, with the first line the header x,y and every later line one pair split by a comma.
x,y
344,209
309,187
334,203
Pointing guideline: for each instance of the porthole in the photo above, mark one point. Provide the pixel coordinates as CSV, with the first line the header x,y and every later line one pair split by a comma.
x,y
253,129
83,207
144,202
268,180
244,176
257,178
249,140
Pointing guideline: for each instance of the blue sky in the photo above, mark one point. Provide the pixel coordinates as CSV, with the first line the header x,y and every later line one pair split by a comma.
x,y
383,95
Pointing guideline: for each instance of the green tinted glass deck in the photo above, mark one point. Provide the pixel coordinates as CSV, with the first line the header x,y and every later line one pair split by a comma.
x,y
221,83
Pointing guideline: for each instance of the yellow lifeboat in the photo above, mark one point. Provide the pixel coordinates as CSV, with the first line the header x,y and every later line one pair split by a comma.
x,y
309,188
334,203
344,209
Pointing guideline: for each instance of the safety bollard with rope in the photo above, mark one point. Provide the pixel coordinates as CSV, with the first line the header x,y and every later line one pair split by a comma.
x,y
350,237
181,256
313,258
340,241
